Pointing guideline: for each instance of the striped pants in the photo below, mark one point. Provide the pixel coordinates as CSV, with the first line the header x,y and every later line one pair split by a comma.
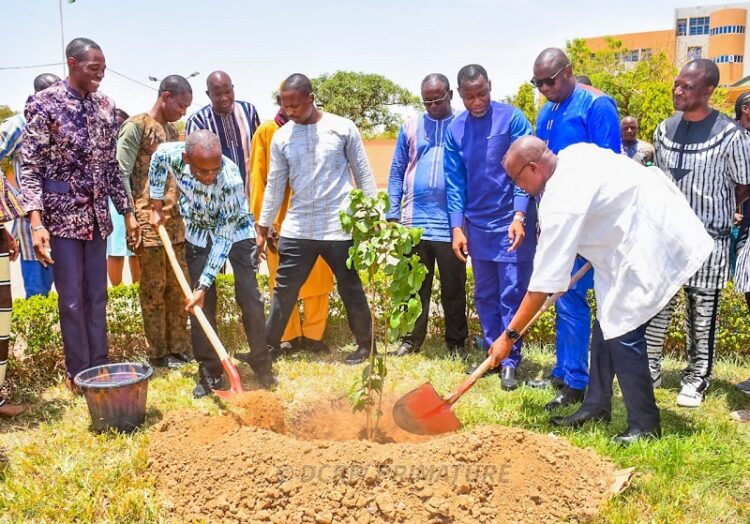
x,y
6,305
702,309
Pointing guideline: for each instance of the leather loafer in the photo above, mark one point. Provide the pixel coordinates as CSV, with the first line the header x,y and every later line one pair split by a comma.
x,y
580,417
508,379
546,382
359,356
406,348
316,346
266,380
744,387
566,397
630,435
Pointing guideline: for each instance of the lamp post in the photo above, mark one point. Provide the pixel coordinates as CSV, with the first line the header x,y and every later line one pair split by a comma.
x,y
191,75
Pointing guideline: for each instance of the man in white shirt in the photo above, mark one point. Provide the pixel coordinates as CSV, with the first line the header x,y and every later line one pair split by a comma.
x,y
643,241
317,155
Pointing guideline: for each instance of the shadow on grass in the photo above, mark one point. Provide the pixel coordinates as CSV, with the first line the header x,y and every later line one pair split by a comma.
x,y
42,411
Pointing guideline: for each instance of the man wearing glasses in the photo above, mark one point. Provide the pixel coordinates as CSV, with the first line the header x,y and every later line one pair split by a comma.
x,y
218,226
489,215
574,113
416,188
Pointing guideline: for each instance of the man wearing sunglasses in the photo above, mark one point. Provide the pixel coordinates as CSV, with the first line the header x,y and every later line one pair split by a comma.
x,y
489,215
218,227
416,188
574,113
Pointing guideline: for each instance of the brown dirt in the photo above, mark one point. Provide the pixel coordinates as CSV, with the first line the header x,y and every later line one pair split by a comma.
x,y
226,469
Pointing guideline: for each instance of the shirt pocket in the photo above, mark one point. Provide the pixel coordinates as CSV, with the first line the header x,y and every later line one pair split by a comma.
x,y
497,146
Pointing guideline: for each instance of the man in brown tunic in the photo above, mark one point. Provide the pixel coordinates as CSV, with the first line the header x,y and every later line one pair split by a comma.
x,y
162,303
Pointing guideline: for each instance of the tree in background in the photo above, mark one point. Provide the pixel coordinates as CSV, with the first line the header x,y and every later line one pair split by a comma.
x,y
526,101
366,99
641,89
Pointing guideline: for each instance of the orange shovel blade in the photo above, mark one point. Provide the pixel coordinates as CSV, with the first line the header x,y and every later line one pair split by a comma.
x,y
423,412
235,384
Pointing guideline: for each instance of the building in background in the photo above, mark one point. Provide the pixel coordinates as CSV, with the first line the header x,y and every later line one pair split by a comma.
x,y
715,32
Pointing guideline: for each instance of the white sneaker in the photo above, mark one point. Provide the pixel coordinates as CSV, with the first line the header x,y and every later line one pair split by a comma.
x,y
742,415
689,397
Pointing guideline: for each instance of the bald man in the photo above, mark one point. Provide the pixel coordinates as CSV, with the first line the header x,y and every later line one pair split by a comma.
x,y
574,113
639,150
37,279
218,227
232,120
643,241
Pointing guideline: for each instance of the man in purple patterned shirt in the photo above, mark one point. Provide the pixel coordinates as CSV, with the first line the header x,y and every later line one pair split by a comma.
x,y
69,169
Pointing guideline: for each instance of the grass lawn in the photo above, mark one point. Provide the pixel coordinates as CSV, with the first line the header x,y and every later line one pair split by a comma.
x,y
698,472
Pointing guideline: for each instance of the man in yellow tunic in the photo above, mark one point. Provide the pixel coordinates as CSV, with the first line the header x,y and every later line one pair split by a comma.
x,y
299,334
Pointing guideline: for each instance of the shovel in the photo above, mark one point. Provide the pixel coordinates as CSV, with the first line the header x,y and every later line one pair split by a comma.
x,y
234,377
423,412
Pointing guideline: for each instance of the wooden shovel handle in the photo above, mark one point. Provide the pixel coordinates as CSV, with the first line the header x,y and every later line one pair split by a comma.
x,y
186,289
467,384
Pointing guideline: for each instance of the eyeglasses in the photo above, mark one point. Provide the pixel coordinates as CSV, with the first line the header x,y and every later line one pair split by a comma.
x,y
435,102
515,178
550,81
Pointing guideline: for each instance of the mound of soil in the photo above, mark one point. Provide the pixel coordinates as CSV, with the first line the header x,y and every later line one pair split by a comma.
x,y
227,469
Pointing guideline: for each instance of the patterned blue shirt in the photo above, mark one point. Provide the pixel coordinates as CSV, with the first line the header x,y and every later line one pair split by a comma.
x,y
219,211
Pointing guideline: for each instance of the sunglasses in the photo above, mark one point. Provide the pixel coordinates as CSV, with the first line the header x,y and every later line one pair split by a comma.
x,y
435,102
550,81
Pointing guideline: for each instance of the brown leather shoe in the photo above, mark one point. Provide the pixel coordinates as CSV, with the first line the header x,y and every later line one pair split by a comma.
x,y
12,410
73,387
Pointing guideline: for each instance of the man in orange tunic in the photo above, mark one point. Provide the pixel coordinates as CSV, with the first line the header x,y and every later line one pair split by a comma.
x,y
299,334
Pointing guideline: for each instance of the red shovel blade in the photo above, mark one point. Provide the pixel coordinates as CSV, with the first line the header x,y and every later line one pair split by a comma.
x,y
423,412
235,384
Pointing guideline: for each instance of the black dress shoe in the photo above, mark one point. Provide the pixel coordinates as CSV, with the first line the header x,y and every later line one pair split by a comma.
x,y
185,357
629,436
406,348
566,397
206,385
546,382
266,380
508,379
744,387
580,417
359,356
287,346
168,362
457,350
316,346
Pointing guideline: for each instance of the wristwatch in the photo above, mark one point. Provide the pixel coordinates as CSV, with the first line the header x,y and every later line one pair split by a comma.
x,y
37,228
201,287
512,334
520,218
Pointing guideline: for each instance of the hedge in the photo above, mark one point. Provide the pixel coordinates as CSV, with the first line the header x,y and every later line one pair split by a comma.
x,y
37,346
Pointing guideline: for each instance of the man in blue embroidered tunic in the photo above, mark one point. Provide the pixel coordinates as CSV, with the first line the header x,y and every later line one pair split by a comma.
x,y
416,188
218,227
489,216
574,113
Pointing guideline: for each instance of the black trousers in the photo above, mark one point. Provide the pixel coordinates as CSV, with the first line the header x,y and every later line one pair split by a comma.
x,y
626,358
243,257
296,260
452,293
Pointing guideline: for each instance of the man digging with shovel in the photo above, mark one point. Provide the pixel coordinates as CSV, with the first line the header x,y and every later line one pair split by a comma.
x,y
218,226
644,242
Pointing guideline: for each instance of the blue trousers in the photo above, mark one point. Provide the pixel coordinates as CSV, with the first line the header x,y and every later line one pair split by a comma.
x,y
81,282
37,279
573,327
499,288
626,358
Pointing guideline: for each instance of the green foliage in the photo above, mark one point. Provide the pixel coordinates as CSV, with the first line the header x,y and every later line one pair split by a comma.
x,y
5,112
642,90
364,98
382,248
525,100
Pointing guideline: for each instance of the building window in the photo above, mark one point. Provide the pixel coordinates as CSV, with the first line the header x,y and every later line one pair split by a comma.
x,y
681,26
728,30
695,52
699,25
630,56
729,59
646,54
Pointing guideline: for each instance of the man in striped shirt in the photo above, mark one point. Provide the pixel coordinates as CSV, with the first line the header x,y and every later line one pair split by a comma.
x,y
706,154
218,226
232,120
37,279
317,155
416,188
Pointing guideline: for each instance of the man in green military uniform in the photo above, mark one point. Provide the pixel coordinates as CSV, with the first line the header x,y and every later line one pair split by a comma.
x,y
162,303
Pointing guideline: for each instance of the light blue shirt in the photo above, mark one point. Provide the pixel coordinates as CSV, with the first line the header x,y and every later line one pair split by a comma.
x,y
219,211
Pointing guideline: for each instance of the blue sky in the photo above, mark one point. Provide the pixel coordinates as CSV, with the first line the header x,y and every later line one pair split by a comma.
x,y
260,43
